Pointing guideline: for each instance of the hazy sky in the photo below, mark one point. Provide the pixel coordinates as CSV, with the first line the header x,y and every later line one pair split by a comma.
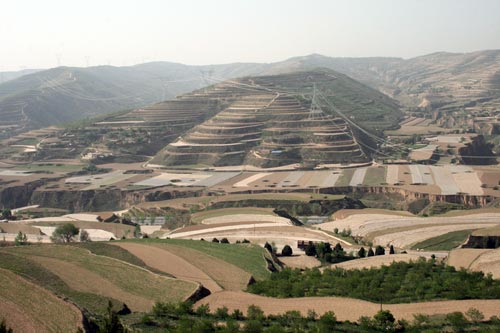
x,y
34,34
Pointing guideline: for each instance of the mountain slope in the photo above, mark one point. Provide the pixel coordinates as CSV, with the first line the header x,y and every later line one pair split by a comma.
x,y
440,82
278,120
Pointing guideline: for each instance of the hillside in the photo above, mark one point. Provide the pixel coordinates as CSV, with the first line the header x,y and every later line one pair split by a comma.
x,y
449,85
278,120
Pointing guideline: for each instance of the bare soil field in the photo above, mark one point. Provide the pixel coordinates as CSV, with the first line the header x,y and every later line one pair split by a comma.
x,y
201,216
463,258
488,263
344,308
300,261
29,308
225,274
119,230
170,263
376,261
343,213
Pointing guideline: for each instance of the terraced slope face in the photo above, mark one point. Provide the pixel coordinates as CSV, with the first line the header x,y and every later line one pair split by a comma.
x,y
142,131
267,127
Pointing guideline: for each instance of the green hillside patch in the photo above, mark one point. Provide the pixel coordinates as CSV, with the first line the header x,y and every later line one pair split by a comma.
x,y
375,176
400,282
444,242
248,257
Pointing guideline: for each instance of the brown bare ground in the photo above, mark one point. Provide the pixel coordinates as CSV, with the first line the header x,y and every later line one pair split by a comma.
x,y
344,308
170,263
14,228
80,279
343,213
300,261
488,263
29,308
463,258
119,230
225,274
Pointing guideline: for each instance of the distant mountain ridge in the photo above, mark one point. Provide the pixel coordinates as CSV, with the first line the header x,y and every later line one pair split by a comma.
x,y
437,81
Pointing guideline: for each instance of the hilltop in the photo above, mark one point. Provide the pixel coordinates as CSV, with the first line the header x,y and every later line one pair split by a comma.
x,y
442,83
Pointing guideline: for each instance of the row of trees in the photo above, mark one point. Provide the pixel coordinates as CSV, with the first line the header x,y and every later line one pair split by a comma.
x,y
400,282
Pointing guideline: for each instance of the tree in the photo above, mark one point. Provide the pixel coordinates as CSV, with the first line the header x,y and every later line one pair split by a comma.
x,y
379,251
4,328
215,240
311,249
268,247
224,240
475,315
286,251
112,323
84,236
6,214
391,250
384,320
362,252
255,313
137,231
64,233
21,239
327,322
457,321
370,252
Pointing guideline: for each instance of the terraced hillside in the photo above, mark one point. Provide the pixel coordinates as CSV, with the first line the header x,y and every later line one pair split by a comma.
x,y
275,121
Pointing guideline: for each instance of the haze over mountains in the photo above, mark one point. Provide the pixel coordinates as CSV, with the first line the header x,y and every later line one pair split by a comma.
x,y
439,81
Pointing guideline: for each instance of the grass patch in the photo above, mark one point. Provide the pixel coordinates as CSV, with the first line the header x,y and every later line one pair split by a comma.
x,y
444,242
248,257
50,167
200,216
345,177
375,176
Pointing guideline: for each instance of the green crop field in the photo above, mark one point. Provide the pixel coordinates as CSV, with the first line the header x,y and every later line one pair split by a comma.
x,y
444,242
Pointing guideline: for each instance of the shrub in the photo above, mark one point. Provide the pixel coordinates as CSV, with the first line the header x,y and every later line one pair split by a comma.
x,y
286,251
379,251
215,240
224,240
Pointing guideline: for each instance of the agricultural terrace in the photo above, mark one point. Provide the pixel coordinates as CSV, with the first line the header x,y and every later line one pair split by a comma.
x,y
477,260
29,308
405,232
84,272
248,257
